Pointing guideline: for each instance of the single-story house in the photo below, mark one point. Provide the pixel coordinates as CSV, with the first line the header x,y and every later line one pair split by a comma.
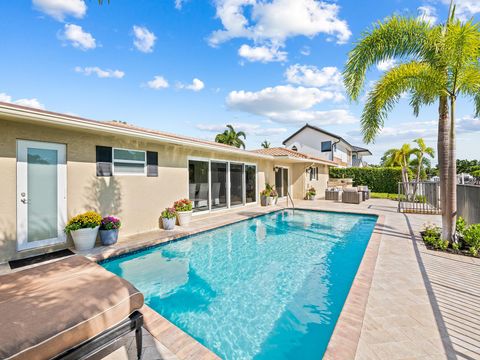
x,y
54,166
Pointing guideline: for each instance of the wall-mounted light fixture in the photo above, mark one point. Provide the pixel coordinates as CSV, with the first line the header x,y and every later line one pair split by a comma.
x,y
276,168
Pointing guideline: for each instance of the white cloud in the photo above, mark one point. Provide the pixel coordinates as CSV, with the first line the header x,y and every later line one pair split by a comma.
x,y
468,124
327,77
33,102
107,73
276,20
179,4
305,51
59,9
279,99
262,53
290,105
428,14
249,129
79,38
158,82
386,64
196,85
144,39
465,9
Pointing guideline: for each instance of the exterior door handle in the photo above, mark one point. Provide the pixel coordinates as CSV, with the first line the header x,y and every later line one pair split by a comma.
x,y
24,200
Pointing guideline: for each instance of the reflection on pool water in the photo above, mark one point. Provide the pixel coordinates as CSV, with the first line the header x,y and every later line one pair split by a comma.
x,y
265,288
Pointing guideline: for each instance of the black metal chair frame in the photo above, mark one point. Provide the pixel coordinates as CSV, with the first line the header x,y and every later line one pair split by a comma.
x,y
107,338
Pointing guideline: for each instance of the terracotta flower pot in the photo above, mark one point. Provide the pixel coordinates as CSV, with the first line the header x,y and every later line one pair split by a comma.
x,y
84,239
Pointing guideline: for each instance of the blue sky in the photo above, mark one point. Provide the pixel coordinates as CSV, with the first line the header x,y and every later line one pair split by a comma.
x,y
191,67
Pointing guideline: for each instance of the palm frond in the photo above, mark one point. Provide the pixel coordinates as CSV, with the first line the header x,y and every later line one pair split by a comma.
x,y
398,37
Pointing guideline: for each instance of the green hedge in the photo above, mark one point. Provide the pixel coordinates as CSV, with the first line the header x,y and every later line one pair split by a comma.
x,y
378,179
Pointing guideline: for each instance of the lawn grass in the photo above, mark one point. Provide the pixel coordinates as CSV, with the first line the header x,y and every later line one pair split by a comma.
x,y
376,195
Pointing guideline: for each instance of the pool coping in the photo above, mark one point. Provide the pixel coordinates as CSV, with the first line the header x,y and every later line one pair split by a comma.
x,y
343,343
344,340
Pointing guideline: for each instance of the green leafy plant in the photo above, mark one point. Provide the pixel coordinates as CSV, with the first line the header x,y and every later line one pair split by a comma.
x,y
378,179
183,205
430,240
169,213
432,231
456,246
89,219
472,238
461,225
442,244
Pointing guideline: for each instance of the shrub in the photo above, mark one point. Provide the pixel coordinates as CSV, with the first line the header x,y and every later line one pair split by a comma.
x,y
378,179
442,244
461,225
89,219
430,240
110,223
432,231
472,238
169,213
456,246
183,205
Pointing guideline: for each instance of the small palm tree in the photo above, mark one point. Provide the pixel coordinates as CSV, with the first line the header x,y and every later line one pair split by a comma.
x,y
231,137
265,144
437,64
400,157
421,151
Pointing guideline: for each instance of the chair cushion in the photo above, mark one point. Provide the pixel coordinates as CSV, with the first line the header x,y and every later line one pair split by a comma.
x,y
51,308
352,189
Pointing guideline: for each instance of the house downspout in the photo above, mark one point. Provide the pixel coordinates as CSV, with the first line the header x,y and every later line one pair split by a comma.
x,y
334,146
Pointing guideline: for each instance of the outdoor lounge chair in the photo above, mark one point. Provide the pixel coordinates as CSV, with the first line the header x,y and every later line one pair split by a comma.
x,y
67,309
351,196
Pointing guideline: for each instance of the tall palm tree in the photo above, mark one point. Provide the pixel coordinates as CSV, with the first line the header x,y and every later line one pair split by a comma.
x,y
437,64
231,137
265,144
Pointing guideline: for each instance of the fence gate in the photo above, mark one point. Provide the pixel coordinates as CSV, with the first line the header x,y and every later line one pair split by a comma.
x,y
419,197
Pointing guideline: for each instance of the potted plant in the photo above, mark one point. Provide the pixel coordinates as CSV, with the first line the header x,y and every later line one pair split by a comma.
x,y
264,195
311,193
84,229
169,216
109,230
273,196
183,208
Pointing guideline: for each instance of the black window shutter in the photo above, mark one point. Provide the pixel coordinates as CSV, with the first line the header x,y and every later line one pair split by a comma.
x,y
152,163
104,160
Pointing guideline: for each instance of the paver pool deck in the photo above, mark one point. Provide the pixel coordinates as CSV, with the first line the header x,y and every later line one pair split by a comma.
x,y
407,302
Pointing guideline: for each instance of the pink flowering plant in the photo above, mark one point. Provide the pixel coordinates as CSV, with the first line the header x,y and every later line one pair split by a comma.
x,y
183,205
110,223
169,213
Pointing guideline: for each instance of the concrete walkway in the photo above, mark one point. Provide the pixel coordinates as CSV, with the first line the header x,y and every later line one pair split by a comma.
x,y
422,304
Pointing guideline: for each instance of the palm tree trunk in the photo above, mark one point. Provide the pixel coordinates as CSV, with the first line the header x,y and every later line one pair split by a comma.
x,y
417,178
452,178
443,147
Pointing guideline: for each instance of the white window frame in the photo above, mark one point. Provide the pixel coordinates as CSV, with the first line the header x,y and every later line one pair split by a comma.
x,y
144,162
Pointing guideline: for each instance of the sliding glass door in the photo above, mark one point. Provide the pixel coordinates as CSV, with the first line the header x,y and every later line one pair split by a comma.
x,y
236,184
281,181
250,184
198,184
218,178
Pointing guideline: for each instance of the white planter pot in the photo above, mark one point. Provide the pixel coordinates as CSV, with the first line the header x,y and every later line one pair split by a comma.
x,y
169,224
269,200
184,217
84,239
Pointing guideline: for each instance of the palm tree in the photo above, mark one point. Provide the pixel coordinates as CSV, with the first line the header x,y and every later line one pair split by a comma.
x,y
400,157
437,64
231,137
265,144
421,151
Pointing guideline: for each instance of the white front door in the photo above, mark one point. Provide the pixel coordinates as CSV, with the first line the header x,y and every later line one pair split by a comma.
x,y
41,194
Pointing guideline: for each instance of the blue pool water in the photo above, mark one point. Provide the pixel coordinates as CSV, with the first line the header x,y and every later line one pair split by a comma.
x,y
265,288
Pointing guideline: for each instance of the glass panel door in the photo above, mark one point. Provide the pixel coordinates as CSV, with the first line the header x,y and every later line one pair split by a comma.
x,y
41,194
198,184
285,182
250,183
218,180
236,184
279,182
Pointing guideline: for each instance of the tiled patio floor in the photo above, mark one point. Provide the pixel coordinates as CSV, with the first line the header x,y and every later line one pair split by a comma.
x,y
421,304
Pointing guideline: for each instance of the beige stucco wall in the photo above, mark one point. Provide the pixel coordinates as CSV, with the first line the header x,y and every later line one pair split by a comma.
x,y
321,184
137,200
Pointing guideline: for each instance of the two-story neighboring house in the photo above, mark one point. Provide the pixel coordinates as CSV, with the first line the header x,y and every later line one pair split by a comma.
x,y
322,144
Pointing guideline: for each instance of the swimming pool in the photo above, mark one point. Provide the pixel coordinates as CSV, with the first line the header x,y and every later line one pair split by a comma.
x,y
271,287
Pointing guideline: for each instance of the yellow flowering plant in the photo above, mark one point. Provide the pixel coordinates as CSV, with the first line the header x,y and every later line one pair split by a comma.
x,y
89,219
